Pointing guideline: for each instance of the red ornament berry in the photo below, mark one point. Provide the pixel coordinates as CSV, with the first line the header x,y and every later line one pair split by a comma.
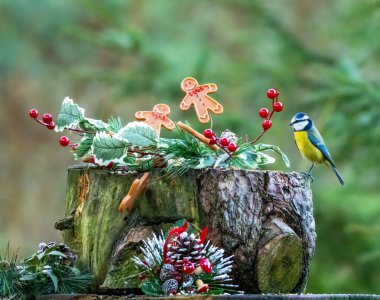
x,y
64,141
267,124
51,126
224,142
213,140
33,113
168,261
264,112
277,106
188,267
92,160
232,147
272,93
47,118
208,133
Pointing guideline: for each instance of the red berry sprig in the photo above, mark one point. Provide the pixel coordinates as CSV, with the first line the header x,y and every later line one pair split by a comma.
x,y
47,119
227,143
265,114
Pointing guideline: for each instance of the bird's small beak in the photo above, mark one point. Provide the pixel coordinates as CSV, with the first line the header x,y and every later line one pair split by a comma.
x,y
290,123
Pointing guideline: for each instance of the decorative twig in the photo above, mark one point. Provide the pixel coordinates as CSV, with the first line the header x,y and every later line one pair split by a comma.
x,y
197,135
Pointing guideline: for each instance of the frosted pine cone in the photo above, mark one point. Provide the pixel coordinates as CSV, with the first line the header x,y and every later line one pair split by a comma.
x,y
185,247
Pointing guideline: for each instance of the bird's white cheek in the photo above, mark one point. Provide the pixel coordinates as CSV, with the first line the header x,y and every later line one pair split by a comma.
x,y
300,126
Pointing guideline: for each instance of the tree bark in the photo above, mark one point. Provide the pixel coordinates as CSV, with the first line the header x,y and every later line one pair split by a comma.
x,y
263,218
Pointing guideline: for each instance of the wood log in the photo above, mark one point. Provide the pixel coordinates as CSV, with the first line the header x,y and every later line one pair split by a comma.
x,y
263,218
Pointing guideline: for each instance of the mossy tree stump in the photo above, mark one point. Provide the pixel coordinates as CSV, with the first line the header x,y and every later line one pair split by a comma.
x,y
264,218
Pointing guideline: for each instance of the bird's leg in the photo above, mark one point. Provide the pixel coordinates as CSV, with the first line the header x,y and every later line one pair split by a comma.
x,y
309,173
311,169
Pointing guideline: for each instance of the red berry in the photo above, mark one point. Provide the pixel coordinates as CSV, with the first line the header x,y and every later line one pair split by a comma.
x,y
213,141
272,93
47,118
208,133
33,113
142,276
64,141
232,147
277,106
92,160
264,113
267,124
110,165
168,261
224,142
51,126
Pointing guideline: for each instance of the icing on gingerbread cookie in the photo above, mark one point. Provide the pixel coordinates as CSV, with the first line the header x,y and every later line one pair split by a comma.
x,y
198,95
156,118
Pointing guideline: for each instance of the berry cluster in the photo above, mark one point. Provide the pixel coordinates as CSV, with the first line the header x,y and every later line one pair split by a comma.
x,y
276,107
227,141
47,121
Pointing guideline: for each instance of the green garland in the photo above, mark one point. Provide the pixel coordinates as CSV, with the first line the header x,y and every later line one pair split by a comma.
x,y
136,146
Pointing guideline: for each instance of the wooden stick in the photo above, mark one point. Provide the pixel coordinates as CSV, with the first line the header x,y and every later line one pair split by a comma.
x,y
198,135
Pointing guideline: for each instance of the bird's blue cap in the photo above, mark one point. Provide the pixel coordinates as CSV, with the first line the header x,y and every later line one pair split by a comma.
x,y
298,116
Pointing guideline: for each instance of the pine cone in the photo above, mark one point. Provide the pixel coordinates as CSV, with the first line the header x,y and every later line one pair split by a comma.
x,y
167,272
183,247
170,286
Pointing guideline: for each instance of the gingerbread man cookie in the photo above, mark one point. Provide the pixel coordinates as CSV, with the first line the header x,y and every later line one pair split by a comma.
x,y
156,118
137,188
198,95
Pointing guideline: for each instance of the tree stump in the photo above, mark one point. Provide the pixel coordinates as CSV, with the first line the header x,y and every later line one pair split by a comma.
x,y
263,218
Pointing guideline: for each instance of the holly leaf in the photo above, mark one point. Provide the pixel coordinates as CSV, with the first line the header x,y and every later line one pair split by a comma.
x,y
89,124
264,147
106,149
138,134
205,162
84,146
69,116
152,287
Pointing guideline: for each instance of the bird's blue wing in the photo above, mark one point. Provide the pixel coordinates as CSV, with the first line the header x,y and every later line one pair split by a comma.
x,y
317,140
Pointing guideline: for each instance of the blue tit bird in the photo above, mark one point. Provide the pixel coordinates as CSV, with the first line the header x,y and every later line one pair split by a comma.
x,y
310,143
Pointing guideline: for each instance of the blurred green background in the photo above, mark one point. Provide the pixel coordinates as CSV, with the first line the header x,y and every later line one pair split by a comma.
x,y
115,57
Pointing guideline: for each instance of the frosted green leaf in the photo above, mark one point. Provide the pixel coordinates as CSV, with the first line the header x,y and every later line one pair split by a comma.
x,y
108,149
264,147
69,116
84,146
152,287
205,162
138,134
89,124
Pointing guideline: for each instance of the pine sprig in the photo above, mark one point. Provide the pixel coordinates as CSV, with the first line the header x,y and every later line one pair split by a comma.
x,y
50,270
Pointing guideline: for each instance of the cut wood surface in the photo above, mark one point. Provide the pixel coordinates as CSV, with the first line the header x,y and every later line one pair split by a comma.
x,y
263,218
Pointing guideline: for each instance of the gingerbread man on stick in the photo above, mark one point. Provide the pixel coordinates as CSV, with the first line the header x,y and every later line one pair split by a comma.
x,y
157,118
198,95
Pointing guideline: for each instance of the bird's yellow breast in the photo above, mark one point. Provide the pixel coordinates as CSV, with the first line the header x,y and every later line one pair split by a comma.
x,y
307,149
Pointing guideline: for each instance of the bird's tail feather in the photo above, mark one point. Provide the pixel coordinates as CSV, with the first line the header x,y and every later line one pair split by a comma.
x,y
338,175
